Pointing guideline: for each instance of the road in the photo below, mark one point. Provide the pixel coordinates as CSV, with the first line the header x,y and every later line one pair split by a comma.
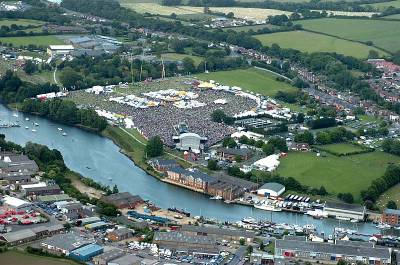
x,y
238,256
54,76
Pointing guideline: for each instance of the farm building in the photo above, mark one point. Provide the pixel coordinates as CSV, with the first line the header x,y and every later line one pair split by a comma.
x,y
86,253
331,253
345,211
271,189
54,50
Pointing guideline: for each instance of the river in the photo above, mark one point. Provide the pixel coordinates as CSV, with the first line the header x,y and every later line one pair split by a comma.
x,y
99,158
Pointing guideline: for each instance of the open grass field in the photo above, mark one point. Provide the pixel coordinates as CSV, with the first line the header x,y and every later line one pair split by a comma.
x,y
385,5
397,16
20,22
337,174
179,57
384,34
251,79
240,12
393,194
35,40
313,42
17,258
341,148
253,27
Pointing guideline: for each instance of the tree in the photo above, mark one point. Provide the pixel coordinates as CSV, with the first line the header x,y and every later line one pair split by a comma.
x,y
154,147
30,67
69,78
229,142
230,15
242,241
249,249
391,205
212,164
372,54
346,197
115,189
188,65
305,137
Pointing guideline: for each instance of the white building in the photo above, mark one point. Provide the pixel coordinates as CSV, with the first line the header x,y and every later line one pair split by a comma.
x,y
271,189
15,202
189,141
54,50
269,163
345,211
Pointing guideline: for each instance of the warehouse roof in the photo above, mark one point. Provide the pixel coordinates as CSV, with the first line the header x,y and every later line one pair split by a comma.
x,y
54,198
315,247
235,151
68,242
110,255
61,47
87,250
182,238
344,206
122,198
272,186
18,235
15,202
218,231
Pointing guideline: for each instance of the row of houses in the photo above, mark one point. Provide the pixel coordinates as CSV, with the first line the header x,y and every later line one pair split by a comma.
x,y
224,186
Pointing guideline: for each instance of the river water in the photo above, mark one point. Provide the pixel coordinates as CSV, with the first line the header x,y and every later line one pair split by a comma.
x,y
99,158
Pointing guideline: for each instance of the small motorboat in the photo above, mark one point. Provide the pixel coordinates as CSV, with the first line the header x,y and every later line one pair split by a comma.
x,y
33,130
60,129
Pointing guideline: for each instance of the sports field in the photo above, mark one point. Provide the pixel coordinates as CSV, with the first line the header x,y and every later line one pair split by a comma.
x,y
313,42
35,40
179,57
17,258
250,79
337,174
342,148
20,22
383,34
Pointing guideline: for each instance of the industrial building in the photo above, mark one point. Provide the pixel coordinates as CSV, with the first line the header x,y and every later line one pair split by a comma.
x,y
86,253
272,189
55,50
194,179
106,257
40,189
331,253
13,164
64,243
27,235
391,217
219,233
345,211
120,234
185,243
163,165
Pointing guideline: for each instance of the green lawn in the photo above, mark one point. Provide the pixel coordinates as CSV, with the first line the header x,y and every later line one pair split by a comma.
x,y
397,16
337,174
17,258
313,42
250,79
393,194
179,57
35,40
384,34
384,5
342,148
20,22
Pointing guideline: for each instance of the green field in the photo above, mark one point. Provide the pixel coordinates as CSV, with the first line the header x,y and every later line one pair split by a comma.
x,y
383,34
34,40
17,258
342,148
397,16
337,174
20,22
179,57
253,27
384,5
250,79
313,42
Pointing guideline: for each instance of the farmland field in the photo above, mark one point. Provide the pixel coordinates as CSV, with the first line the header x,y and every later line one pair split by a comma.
x,y
337,174
18,258
342,148
250,79
35,40
179,57
384,5
240,12
384,34
312,42
20,22
253,27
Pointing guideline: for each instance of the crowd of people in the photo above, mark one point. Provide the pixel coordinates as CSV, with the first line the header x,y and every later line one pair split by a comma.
x,y
162,120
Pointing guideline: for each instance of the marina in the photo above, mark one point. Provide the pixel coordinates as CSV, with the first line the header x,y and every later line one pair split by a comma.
x,y
100,159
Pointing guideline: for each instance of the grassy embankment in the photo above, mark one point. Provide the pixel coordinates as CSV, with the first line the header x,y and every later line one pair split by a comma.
x,y
13,257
